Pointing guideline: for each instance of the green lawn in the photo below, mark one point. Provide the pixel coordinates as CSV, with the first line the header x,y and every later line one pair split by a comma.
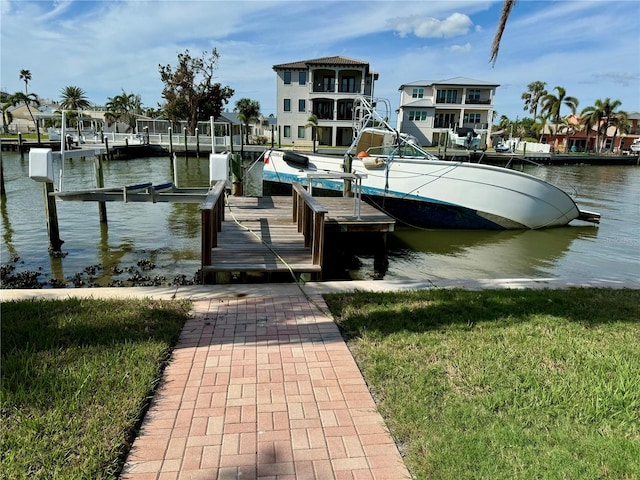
x,y
503,384
77,375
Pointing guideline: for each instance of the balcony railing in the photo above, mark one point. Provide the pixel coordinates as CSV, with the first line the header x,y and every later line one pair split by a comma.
x,y
477,101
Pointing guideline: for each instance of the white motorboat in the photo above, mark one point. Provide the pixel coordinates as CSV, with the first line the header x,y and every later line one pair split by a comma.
x,y
418,189
635,146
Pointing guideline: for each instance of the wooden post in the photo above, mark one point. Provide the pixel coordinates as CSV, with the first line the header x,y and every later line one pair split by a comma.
x,y
20,143
3,192
52,219
170,141
106,148
348,192
197,143
102,206
186,151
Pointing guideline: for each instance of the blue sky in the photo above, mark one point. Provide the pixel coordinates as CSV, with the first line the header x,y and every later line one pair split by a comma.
x,y
589,47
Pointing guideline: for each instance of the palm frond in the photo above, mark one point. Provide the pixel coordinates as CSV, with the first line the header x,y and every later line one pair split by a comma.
x,y
507,6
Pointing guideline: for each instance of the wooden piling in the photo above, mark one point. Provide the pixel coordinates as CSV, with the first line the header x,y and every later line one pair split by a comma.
x,y
55,244
197,144
186,150
102,206
170,141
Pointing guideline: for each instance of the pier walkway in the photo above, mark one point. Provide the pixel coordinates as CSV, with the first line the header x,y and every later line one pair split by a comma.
x,y
279,234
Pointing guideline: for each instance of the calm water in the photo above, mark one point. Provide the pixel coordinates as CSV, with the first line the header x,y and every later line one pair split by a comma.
x,y
168,234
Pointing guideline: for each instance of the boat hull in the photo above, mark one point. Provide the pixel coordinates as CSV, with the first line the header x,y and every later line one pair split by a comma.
x,y
442,194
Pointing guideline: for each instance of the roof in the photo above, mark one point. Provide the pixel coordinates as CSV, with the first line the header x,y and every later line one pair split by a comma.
x,y
420,103
304,64
458,81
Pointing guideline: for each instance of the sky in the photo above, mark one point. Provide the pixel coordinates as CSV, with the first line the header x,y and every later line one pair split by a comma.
x,y
591,48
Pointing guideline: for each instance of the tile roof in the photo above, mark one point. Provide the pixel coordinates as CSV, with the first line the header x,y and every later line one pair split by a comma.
x,y
304,64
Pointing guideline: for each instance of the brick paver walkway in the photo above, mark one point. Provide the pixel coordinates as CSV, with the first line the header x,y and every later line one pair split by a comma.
x,y
262,388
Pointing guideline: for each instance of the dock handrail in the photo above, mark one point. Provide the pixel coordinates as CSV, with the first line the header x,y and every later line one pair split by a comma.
x,y
309,214
212,215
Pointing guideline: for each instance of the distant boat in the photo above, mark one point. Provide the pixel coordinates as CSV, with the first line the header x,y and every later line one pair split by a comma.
x,y
464,137
419,189
635,146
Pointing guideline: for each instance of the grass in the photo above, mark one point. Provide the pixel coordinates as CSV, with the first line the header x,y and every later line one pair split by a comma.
x,y
503,384
77,375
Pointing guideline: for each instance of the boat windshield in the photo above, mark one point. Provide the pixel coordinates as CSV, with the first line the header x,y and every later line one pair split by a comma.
x,y
405,150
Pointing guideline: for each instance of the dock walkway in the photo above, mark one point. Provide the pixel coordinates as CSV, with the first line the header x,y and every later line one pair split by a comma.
x,y
259,235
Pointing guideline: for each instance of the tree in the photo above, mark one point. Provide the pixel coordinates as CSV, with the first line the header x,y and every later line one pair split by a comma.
x,y
507,6
25,75
123,108
6,102
552,105
600,115
248,111
189,89
28,100
74,99
312,123
620,120
535,92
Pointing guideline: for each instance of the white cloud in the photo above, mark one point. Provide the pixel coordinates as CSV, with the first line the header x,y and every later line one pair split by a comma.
x,y
454,25
466,48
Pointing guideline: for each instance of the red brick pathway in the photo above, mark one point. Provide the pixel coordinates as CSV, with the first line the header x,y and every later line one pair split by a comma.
x,y
263,388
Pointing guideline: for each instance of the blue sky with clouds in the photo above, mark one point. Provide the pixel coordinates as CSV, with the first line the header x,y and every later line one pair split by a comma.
x,y
589,47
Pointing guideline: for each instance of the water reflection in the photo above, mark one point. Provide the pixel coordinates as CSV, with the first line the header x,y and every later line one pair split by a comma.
x,y
481,254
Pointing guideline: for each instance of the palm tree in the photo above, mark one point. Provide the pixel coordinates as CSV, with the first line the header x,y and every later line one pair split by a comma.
x,y
74,98
507,6
552,105
28,100
535,92
25,75
312,123
601,114
248,111
123,108
620,120
6,102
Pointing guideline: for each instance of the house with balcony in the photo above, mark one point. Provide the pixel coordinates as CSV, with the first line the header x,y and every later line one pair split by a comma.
x,y
325,87
432,110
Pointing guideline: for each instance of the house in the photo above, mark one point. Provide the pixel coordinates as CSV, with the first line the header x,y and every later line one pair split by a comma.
x,y
325,87
431,110
573,137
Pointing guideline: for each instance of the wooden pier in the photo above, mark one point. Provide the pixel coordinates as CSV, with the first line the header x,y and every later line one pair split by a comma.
x,y
244,236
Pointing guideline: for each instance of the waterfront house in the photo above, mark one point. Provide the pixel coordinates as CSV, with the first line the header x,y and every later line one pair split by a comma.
x,y
324,87
431,110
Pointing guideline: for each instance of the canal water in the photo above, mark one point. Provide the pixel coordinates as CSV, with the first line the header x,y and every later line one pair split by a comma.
x,y
159,243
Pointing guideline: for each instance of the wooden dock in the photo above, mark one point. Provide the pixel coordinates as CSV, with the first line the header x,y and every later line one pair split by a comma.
x,y
280,234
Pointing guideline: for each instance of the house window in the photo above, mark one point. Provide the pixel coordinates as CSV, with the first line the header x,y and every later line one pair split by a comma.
x,y
445,120
287,131
302,105
473,94
301,131
417,93
471,118
447,96
287,78
417,116
302,78
327,84
348,84
287,104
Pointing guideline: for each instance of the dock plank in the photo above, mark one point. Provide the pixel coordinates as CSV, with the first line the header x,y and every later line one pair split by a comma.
x,y
258,234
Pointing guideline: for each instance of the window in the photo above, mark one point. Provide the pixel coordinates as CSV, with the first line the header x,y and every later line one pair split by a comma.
x,y
287,78
327,84
287,104
417,93
473,94
302,78
302,105
348,84
447,96
301,132
445,120
471,118
287,131
417,115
